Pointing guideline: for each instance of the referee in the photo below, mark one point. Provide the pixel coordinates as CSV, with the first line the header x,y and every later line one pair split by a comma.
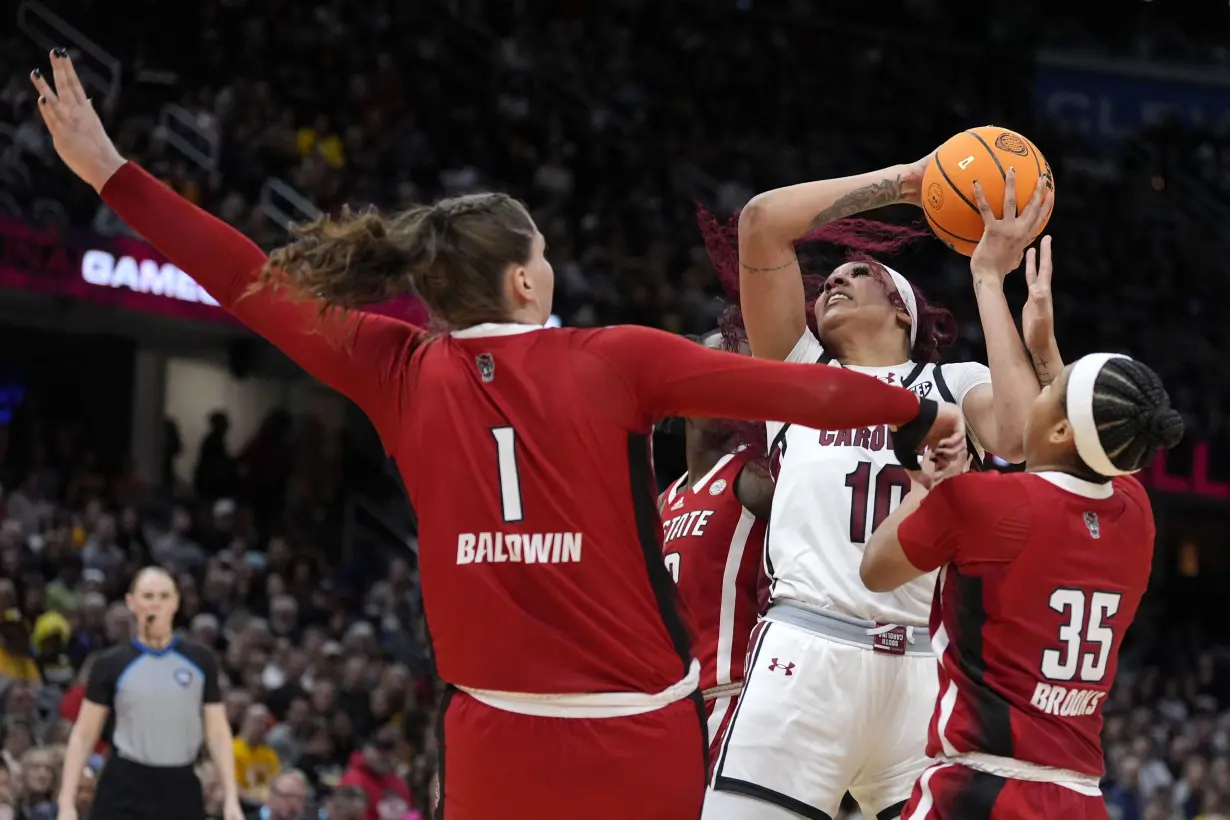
x,y
165,696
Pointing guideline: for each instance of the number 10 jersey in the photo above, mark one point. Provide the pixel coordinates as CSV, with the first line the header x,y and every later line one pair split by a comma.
x,y
834,487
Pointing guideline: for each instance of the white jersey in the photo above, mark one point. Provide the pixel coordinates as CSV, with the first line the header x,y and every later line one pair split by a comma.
x,y
834,487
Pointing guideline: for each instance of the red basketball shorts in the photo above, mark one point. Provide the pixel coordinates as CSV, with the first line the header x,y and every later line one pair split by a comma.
x,y
520,767
718,713
949,791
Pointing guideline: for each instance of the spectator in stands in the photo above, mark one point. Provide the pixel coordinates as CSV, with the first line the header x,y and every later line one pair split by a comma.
x,y
374,770
215,467
90,634
176,548
101,552
288,797
15,658
39,784
50,638
345,803
18,738
289,738
256,764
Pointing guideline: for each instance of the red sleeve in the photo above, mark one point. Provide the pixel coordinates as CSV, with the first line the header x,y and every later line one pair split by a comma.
x,y
646,375
360,355
970,519
70,704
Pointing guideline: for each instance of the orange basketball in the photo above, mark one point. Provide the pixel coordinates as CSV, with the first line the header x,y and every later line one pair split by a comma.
x,y
984,154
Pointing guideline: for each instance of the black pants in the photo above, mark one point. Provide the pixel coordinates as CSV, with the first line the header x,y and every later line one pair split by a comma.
x,y
132,791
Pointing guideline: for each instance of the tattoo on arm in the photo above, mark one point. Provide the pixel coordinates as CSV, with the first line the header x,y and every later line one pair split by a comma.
x,y
1042,369
751,269
869,197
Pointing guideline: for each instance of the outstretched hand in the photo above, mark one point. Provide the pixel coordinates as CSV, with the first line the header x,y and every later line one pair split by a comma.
x,y
1038,315
77,133
1005,239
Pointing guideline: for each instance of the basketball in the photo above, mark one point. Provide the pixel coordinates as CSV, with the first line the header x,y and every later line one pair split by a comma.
x,y
984,154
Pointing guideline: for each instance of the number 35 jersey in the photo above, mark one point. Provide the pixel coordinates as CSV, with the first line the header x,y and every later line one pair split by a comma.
x,y
834,487
1040,577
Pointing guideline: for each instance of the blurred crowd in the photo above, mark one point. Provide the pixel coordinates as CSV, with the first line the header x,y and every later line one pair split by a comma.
x,y
326,679
612,120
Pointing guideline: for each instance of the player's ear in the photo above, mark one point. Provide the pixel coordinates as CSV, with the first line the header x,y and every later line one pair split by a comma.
x,y
1061,433
521,283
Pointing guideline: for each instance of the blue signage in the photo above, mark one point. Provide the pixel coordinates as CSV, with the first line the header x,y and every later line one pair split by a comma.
x,y
1108,107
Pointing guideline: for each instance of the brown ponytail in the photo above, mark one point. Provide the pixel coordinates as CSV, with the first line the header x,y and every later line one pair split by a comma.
x,y
453,254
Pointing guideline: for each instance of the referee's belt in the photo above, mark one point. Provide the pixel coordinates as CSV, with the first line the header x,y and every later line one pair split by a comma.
x,y
890,639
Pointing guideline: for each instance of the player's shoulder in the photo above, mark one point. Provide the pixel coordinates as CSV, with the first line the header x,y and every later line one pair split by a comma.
x,y
1136,494
1131,487
807,350
671,492
962,376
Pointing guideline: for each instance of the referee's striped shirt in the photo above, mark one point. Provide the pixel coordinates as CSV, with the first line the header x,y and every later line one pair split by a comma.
x,y
156,697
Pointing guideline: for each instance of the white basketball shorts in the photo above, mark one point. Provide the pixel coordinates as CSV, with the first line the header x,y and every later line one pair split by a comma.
x,y
818,718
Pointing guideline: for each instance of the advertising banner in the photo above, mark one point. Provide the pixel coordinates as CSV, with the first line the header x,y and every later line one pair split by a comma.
x,y
122,272
1107,106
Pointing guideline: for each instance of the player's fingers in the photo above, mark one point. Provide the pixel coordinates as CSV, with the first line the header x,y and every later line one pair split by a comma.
x,y
73,85
1010,195
48,103
1046,200
42,86
1044,264
1031,266
67,84
984,207
1033,208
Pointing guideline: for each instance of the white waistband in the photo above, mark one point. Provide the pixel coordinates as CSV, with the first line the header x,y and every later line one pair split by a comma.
x,y
1021,770
592,705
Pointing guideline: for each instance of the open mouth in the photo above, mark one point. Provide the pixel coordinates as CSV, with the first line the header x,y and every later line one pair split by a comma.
x,y
836,296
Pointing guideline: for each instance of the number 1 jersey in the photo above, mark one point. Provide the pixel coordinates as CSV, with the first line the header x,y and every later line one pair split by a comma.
x,y
834,487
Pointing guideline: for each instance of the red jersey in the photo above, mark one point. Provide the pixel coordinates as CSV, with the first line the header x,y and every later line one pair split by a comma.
x,y
714,549
1042,574
525,453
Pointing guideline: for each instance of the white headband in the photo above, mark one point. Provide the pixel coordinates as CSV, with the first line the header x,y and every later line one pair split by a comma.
x,y
1080,412
911,304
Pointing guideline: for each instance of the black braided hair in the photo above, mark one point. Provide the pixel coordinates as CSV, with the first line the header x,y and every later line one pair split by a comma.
x,y
1133,415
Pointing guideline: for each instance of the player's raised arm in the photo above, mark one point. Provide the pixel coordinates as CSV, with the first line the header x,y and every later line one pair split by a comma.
x,y
1038,315
997,411
665,375
770,281
225,262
